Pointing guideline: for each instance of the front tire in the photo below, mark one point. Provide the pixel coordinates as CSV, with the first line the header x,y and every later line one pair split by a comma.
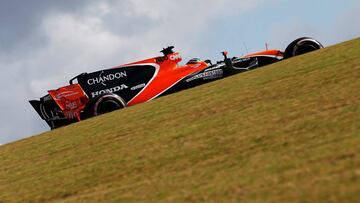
x,y
301,46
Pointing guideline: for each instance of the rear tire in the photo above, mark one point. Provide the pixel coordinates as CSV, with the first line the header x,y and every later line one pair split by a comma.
x,y
104,104
301,46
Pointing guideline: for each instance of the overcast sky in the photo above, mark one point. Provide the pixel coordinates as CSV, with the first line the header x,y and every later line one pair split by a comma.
x,y
44,43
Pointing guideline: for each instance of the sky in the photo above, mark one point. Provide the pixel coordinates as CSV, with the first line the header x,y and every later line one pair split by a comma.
x,y
45,43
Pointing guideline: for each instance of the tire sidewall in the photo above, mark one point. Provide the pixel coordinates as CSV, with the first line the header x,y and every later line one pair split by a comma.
x,y
104,99
290,50
91,108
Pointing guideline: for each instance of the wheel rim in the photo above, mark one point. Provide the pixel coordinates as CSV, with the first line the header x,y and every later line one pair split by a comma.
x,y
107,106
305,49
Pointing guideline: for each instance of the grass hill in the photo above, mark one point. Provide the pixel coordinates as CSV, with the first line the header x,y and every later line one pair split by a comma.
x,y
289,132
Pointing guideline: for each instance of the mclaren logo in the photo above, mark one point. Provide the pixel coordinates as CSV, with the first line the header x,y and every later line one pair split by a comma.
x,y
102,79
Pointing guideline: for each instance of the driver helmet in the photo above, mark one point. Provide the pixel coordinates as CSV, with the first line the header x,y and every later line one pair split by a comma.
x,y
193,61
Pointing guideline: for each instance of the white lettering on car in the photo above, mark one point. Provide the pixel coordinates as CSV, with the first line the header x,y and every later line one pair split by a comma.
x,y
65,94
110,90
105,78
175,57
138,87
213,74
71,105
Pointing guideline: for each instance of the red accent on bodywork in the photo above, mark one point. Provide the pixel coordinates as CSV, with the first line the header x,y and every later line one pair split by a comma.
x,y
168,75
71,100
267,53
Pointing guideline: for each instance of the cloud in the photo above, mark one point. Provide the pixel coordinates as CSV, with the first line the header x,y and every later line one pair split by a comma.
x,y
20,17
86,40
64,42
64,38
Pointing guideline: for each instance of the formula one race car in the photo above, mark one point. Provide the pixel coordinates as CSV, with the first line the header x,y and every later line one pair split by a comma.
x,y
92,94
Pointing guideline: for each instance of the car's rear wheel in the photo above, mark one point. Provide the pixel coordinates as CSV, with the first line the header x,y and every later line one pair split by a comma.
x,y
301,46
107,106
104,104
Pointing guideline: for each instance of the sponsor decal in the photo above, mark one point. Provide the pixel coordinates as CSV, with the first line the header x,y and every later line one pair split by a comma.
x,y
138,87
245,63
71,105
217,66
175,57
207,75
105,78
65,94
110,90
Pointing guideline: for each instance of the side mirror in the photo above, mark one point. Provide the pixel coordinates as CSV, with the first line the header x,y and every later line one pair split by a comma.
x,y
225,53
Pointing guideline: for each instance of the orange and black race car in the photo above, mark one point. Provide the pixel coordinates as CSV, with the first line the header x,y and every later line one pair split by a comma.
x,y
92,94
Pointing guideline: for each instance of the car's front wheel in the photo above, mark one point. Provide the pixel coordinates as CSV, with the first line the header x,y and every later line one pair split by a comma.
x,y
301,46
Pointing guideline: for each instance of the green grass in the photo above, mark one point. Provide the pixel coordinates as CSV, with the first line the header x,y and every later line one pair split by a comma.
x,y
289,132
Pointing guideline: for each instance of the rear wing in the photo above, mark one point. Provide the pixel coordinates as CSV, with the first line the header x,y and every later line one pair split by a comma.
x,y
38,106
62,106
49,111
71,99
